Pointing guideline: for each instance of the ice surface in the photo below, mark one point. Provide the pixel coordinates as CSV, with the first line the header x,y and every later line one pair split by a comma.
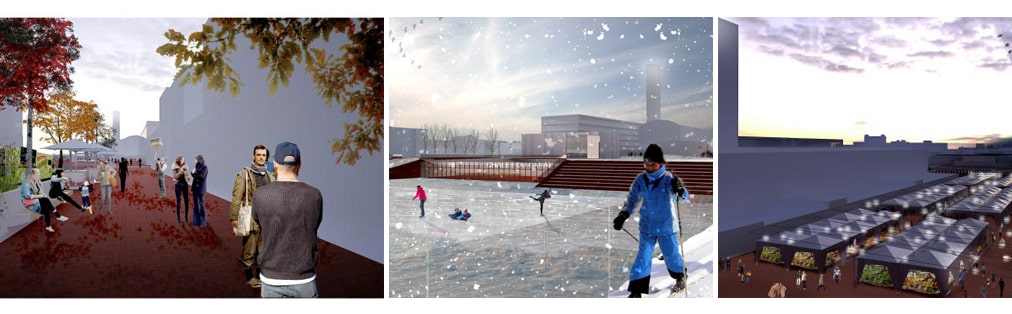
x,y
507,249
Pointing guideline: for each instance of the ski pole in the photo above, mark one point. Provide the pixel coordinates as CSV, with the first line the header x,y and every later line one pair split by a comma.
x,y
681,248
630,234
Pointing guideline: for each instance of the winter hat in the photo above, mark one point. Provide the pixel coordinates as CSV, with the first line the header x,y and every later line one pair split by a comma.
x,y
653,154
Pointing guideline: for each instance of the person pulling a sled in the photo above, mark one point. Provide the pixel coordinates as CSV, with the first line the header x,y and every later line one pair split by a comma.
x,y
658,190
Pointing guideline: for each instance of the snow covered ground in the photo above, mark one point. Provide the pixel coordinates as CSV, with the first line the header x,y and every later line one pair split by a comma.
x,y
508,250
699,260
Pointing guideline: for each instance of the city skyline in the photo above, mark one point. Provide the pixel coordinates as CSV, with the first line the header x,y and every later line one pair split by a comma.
x,y
508,73
912,79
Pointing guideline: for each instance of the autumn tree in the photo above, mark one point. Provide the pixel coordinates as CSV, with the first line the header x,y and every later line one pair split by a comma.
x,y
350,74
68,118
35,57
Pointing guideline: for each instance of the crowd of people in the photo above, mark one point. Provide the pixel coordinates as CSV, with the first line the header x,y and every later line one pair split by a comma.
x,y
279,241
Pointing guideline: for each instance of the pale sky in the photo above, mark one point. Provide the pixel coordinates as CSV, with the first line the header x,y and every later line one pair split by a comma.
x,y
509,72
119,69
913,79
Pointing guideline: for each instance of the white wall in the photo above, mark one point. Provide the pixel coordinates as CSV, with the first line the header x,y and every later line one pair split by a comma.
x,y
225,129
11,129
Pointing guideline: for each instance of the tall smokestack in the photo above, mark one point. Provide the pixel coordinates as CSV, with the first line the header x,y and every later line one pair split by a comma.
x,y
653,92
115,125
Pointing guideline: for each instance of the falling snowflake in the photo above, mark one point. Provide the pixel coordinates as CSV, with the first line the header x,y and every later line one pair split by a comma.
x,y
593,61
664,37
600,36
398,225
605,27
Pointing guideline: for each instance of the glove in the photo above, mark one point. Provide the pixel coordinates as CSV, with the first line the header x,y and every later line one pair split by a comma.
x,y
620,220
677,187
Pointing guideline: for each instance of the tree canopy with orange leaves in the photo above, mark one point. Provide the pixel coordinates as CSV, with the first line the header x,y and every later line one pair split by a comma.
x,y
350,74
67,118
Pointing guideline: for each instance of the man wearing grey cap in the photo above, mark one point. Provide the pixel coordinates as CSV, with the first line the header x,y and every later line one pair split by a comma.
x,y
289,213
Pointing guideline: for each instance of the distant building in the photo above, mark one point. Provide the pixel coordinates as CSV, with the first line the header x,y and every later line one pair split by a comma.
x,y
761,141
874,140
615,138
149,128
880,141
569,144
406,142
136,146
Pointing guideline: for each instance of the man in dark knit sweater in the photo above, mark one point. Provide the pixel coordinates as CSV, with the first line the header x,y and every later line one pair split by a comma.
x,y
289,213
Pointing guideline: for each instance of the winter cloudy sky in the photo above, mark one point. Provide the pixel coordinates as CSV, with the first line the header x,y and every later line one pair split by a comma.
x,y
915,79
119,69
509,72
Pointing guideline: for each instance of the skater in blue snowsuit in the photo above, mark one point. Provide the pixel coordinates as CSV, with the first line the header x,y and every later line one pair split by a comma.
x,y
659,191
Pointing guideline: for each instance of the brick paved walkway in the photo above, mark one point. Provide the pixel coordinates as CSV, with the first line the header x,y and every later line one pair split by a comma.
x,y
140,251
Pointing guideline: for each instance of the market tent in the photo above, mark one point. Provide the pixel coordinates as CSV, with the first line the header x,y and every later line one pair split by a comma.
x,y
1004,182
811,245
973,180
888,252
990,203
923,258
922,202
948,246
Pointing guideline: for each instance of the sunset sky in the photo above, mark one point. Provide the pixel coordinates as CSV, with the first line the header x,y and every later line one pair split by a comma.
x,y
913,79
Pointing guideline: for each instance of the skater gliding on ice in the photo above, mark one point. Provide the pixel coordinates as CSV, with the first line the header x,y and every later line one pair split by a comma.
x,y
541,199
658,191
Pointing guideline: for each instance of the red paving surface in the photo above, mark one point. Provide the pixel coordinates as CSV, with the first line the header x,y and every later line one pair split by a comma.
x,y
765,274
140,251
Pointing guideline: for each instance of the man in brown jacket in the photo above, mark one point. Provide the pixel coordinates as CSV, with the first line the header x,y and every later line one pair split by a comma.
x,y
246,182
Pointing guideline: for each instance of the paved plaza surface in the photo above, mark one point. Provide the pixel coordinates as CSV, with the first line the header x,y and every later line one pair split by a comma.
x,y
140,251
